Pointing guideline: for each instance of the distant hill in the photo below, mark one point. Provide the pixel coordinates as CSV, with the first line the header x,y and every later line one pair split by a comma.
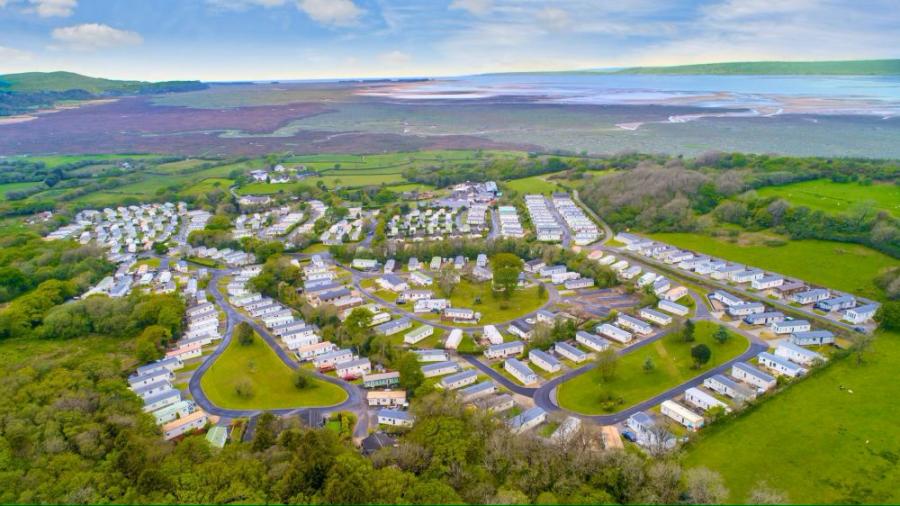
x,y
846,68
35,90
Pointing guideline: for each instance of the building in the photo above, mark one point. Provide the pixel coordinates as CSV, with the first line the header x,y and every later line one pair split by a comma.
x,y
161,400
381,380
570,352
614,333
746,308
180,426
630,322
655,316
861,314
767,282
504,350
390,398
493,335
420,279
781,366
315,350
172,411
646,431
836,303
566,430
439,369
477,391
730,388
696,397
432,355
353,369
521,328
395,418
810,296
726,298
393,327
520,371
672,308
798,354
495,403
527,420
459,314
692,421
392,282
544,360
364,264
675,294
765,318
459,380
812,338
418,334
454,339
753,376
591,341
331,359
789,326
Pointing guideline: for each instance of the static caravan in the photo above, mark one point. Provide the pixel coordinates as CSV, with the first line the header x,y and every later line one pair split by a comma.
x,y
703,400
798,354
520,371
614,333
632,323
728,387
591,341
684,416
570,352
780,366
544,360
753,376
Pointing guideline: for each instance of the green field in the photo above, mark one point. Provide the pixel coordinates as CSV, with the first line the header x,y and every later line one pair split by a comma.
x,y
533,184
495,309
208,185
673,365
831,197
837,265
832,438
269,378
11,187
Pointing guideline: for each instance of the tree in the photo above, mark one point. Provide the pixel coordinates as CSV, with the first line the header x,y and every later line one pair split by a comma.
x,y
762,493
649,366
888,315
265,434
705,486
542,290
721,334
448,278
357,324
302,379
607,363
244,388
506,268
701,355
244,333
411,376
687,333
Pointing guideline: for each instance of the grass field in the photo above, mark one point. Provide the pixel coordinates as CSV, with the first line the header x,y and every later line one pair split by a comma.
x,y
492,309
269,377
11,187
533,184
672,366
208,185
837,265
826,195
816,441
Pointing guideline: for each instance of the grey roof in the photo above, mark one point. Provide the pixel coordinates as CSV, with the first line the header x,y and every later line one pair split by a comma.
x,y
163,395
527,416
571,349
453,378
749,369
478,387
395,413
543,355
439,365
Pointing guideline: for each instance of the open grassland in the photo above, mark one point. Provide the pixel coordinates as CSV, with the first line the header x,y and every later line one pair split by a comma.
x,y
826,195
672,362
832,438
208,185
496,309
57,160
837,265
12,187
270,381
533,184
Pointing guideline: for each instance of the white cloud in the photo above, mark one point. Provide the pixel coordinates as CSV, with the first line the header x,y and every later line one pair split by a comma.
x,y
331,12
239,5
395,58
53,8
11,54
554,18
92,36
476,7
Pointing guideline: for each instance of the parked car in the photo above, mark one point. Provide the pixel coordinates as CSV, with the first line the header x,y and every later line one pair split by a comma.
x,y
631,436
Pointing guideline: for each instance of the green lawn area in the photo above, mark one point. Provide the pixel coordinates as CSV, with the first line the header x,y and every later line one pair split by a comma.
x,y
842,266
826,195
495,309
673,366
208,185
815,441
533,184
270,380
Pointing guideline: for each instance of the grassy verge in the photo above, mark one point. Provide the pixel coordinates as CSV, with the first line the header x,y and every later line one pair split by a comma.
x,y
496,309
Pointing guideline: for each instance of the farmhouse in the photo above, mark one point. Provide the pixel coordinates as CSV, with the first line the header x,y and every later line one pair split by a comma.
x,y
177,427
812,338
570,352
614,333
504,350
477,391
431,355
353,368
520,371
780,366
684,416
591,341
439,369
672,308
798,354
418,334
703,400
860,314
527,420
789,326
386,398
630,322
728,387
544,360
764,318
395,418
459,380
393,327
379,380
753,376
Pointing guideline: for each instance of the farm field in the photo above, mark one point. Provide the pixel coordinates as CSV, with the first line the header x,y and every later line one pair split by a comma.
x,y
672,362
826,195
493,309
533,184
831,438
11,187
208,185
270,381
810,260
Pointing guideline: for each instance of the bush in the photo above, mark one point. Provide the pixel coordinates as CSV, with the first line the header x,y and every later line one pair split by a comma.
x,y
302,379
244,389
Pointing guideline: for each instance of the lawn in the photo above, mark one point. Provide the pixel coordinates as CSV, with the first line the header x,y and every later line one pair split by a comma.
x,y
809,260
496,309
817,441
270,380
826,195
533,184
632,384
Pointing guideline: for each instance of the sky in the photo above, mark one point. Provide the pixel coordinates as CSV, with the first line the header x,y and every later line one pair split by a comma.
x,y
224,40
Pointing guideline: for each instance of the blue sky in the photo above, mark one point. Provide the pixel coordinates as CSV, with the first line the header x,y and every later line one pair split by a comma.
x,y
308,39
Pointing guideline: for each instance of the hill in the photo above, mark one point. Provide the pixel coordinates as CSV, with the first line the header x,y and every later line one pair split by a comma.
x,y
849,67
61,81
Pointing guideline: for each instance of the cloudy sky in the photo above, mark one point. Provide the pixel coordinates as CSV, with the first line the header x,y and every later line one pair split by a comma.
x,y
307,39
